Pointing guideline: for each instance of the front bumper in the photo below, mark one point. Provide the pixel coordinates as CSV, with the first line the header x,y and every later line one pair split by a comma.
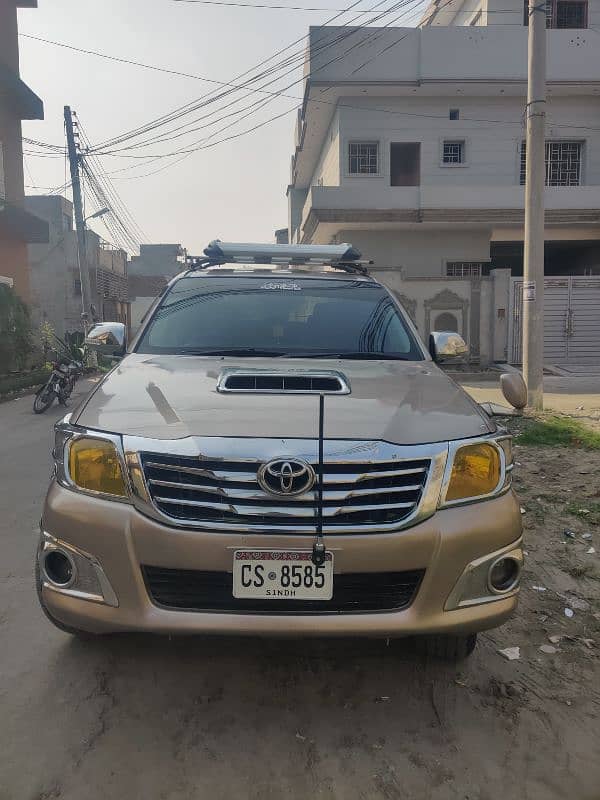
x,y
120,539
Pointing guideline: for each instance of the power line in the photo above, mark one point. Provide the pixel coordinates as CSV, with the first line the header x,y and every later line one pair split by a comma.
x,y
189,107
306,8
260,104
264,6
204,143
193,105
59,150
295,56
107,185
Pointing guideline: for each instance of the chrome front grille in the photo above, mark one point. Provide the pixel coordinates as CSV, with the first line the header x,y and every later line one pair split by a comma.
x,y
193,490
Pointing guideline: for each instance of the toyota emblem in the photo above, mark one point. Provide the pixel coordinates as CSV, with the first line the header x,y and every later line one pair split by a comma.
x,y
286,476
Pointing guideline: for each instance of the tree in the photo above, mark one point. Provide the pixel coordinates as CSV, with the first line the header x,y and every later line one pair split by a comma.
x,y
15,331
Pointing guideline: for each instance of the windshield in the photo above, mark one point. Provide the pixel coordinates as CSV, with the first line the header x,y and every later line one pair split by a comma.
x,y
273,316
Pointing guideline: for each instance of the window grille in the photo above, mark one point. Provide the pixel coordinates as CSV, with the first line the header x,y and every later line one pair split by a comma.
x,y
453,152
463,269
563,163
363,158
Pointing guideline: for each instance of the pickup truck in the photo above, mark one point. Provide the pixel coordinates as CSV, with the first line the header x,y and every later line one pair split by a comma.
x,y
277,452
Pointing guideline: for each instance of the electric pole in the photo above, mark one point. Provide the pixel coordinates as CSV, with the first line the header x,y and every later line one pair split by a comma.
x,y
84,274
535,181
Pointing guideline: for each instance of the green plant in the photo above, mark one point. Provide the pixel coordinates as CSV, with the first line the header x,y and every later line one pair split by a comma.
x,y
13,383
556,431
588,510
46,337
15,331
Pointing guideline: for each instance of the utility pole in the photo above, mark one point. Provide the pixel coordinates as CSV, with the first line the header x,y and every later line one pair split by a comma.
x,y
84,274
535,181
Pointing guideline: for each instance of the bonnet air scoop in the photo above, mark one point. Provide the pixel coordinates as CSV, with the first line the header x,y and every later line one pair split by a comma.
x,y
260,381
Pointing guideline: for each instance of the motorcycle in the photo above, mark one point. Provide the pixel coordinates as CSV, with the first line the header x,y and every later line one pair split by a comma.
x,y
60,384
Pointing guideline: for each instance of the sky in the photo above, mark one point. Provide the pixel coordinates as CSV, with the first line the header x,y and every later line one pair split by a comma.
x,y
233,191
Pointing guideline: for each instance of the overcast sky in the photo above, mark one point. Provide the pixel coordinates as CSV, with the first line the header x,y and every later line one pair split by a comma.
x,y
234,191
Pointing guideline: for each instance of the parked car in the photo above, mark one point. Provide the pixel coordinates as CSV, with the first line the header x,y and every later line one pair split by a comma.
x,y
277,452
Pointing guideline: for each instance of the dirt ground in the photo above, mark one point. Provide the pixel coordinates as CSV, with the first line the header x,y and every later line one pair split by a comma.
x,y
153,718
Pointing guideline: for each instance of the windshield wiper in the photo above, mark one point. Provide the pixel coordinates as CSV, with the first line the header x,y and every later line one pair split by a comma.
x,y
231,351
356,355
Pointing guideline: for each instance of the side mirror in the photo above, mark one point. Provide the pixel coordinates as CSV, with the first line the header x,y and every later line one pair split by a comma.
x,y
108,339
446,346
514,389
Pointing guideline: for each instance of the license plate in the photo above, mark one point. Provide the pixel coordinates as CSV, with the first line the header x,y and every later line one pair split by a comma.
x,y
281,575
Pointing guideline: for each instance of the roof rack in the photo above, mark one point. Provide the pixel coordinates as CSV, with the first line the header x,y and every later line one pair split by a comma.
x,y
337,256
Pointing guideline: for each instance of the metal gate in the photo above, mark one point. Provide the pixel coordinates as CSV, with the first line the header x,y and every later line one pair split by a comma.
x,y
571,320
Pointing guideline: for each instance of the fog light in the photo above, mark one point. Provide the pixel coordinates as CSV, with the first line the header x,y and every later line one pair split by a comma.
x,y
504,574
69,571
59,567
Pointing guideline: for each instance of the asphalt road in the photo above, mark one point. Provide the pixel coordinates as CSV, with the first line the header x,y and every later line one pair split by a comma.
x,y
178,719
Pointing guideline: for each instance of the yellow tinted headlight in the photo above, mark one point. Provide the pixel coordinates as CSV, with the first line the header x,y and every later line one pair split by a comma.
x,y
476,471
94,464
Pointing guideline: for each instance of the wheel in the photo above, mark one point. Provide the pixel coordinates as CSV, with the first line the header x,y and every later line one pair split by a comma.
x,y
448,648
43,399
57,624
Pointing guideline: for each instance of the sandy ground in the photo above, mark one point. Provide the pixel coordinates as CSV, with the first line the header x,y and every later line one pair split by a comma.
x,y
578,396
184,719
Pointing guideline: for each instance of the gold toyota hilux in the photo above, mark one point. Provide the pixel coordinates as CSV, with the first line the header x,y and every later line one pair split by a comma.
x,y
277,453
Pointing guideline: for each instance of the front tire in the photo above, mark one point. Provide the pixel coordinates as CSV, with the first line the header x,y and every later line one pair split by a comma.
x,y
43,399
81,634
448,648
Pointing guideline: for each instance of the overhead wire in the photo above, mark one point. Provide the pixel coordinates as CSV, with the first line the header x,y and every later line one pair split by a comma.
x,y
110,190
191,106
260,104
184,74
295,57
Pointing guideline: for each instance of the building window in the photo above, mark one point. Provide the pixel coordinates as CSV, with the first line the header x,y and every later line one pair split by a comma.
x,y
563,163
77,287
454,113
453,152
570,14
562,13
405,164
463,269
363,158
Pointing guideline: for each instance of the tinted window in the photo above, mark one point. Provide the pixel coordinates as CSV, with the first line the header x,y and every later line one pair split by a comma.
x,y
281,315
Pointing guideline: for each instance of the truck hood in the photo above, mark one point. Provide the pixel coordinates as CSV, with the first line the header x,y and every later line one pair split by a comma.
x,y
170,397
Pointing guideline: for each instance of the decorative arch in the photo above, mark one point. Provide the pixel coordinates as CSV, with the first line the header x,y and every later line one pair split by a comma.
x,y
446,321
447,300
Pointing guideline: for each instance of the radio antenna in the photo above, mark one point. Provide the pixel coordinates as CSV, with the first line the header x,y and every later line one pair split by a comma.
x,y
318,551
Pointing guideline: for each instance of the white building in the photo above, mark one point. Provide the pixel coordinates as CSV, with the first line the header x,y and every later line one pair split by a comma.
x,y
409,144
149,273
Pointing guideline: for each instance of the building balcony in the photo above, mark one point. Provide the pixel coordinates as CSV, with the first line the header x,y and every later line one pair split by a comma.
x,y
447,55
369,202
27,104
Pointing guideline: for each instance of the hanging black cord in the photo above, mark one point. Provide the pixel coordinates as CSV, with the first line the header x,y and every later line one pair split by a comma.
x,y
318,552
